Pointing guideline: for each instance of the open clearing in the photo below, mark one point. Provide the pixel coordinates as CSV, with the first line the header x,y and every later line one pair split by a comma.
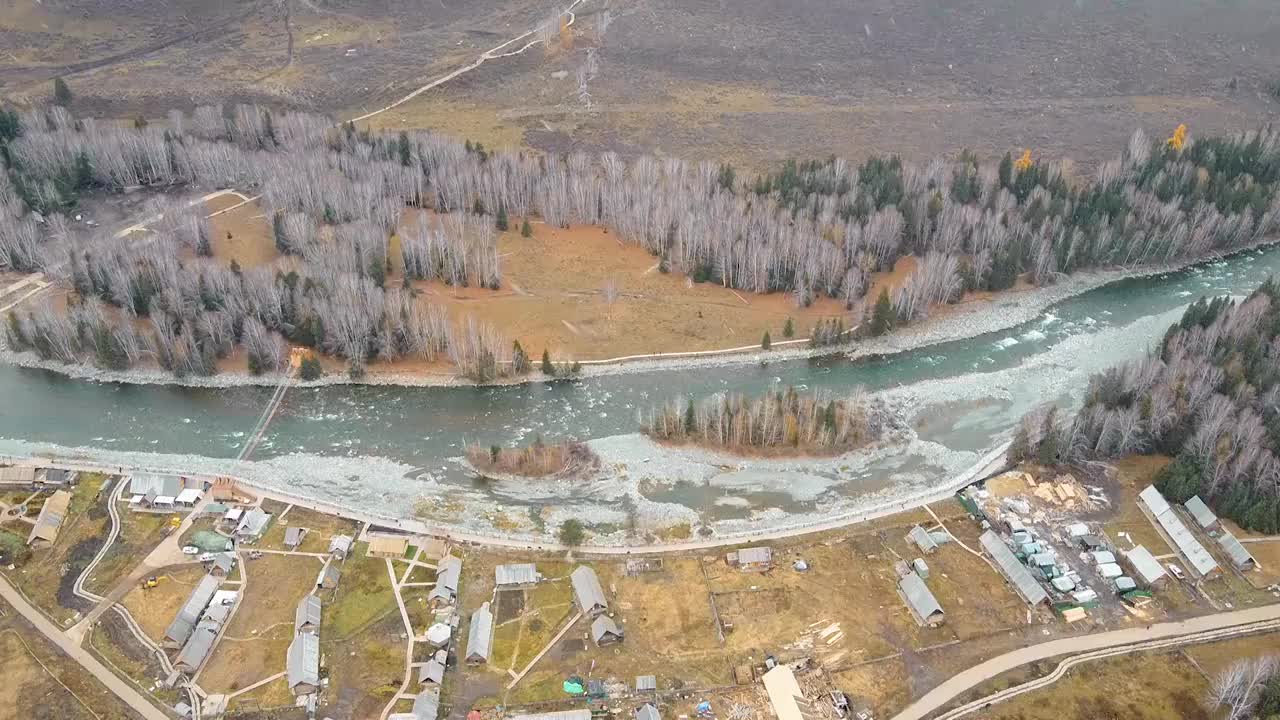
x,y
155,609
320,529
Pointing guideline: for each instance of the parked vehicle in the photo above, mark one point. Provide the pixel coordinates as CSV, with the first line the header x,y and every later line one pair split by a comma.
x,y
190,550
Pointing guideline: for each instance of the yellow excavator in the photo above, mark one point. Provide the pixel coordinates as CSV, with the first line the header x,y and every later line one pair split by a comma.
x,y
150,582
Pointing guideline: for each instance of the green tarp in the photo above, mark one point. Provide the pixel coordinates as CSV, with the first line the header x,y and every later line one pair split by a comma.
x,y
209,541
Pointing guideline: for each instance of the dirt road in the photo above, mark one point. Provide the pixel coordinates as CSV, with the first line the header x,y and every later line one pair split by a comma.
x,y
1137,636
118,687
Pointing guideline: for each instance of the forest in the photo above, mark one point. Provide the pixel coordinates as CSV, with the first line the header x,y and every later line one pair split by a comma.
x,y
781,422
1208,395
335,196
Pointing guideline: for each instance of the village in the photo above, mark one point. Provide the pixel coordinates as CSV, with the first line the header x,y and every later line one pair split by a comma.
x,y
219,600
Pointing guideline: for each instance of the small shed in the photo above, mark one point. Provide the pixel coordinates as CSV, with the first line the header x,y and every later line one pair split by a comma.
x,y
587,591
1125,584
222,564
438,634
431,673
1109,570
340,546
1089,541
253,525
1102,557
293,537
921,568
920,537
448,574
328,577
1063,584
604,631
1240,557
188,498
646,683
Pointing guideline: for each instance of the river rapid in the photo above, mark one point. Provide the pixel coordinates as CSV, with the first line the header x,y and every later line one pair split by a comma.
x,y
389,450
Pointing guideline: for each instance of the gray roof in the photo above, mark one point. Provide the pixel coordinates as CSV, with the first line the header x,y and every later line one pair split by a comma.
x,y
516,574
180,630
340,543
1154,500
1187,545
197,648
480,639
20,474
329,574
448,571
919,597
1014,571
587,590
648,712
161,485
1240,557
431,671
755,555
1145,565
579,714
1203,515
50,519
921,538
308,613
293,535
303,665
604,625
224,561
426,706
646,682
253,523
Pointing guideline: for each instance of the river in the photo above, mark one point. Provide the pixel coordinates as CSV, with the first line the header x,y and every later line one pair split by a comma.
x,y
387,449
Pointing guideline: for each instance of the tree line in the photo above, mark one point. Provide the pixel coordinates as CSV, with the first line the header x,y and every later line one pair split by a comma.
x,y
335,195
784,421
1209,396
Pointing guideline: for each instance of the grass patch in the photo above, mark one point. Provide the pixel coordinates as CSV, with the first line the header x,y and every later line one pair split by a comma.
x,y
364,595
155,609
140,533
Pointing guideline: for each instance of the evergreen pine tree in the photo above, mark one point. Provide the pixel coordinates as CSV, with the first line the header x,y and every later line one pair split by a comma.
x,y
883,316
547,368
690,421
765,342
500,220
61,93
404,149
526,230
1048,452
519,361
788,329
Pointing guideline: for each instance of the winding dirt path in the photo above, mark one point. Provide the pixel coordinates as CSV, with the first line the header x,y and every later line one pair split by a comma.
x,y
494,53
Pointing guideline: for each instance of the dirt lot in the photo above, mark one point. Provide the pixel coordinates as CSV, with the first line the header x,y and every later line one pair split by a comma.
x,y
155,609
60,689
242,235
257,639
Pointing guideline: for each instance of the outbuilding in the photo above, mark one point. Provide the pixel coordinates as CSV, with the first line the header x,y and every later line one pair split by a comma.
x,y
604,631
923,605
340,546
480,638
1146,569
516,575
587,591
751,559
303,664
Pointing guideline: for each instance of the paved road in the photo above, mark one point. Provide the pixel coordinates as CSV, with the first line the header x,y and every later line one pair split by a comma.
x,y
118,687
978,674
989,464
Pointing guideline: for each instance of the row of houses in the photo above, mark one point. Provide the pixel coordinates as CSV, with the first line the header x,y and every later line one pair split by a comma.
x,y
24,477
302,663
1195,556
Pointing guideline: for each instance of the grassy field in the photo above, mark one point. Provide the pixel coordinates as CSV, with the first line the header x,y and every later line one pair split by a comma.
x,y
257,639
320,528
364,595
41,682
1135,474
365,667
140,533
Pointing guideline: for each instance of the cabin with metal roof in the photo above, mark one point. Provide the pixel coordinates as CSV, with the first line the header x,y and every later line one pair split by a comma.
x,y
17,476
222,564
1013,570
388,546
1198,560
1201,513
1240,557
480,638
185,623
587,591
448,574
340,546
604,631
751,559
252,525
516,575
307,617
303,664
49,522
293,536
431,673
924,606
157,485
1145,568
